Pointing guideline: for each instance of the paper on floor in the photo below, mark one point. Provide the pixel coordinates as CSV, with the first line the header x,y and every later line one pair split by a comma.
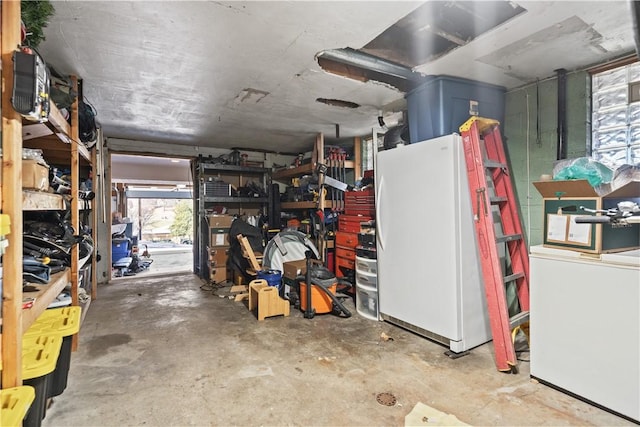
x,y
424,415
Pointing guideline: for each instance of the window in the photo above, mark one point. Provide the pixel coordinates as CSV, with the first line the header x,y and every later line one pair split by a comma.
x,y
615,118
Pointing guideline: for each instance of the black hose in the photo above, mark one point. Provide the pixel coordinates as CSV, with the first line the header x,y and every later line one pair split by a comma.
x,y
345,283
335,300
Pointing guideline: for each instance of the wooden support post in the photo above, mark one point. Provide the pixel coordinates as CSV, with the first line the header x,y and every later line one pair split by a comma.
x,y
11,203
357,158
75,213
95,186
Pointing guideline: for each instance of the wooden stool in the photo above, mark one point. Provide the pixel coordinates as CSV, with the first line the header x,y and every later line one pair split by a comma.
x,y
266,299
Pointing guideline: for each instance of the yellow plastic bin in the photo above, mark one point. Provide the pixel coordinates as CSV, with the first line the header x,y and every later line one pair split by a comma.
x,y
39,357
64,321
14,404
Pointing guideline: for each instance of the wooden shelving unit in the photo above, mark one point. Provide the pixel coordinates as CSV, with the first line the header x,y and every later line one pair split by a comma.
x,y
306,169
285,175
60,144
235,177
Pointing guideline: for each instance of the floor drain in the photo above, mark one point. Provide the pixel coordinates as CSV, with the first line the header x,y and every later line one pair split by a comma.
x,y
386,399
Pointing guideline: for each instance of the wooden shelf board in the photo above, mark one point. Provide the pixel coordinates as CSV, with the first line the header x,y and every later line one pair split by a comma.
x,y
328,204
35,130
214,199
298,205
57,120
55,150
41,200
285,174
84,152
307,169
44,296
232,168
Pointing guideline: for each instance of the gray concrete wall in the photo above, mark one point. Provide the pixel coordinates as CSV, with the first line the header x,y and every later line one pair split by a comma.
x,y
530,131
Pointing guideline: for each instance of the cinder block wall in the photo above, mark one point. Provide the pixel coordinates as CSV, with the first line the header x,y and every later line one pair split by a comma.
x,y
530,130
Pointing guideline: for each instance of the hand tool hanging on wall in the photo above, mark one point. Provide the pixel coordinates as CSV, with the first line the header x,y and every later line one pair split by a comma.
x,y
343,176
334,172
332,182
330,174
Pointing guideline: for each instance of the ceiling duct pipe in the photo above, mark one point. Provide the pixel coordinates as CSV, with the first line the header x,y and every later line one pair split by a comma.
x,y
561,149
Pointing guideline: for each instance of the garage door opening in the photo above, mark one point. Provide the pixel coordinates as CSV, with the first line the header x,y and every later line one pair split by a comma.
x,y
152,216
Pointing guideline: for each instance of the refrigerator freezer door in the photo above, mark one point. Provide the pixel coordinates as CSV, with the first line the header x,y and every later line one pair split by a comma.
x,y
428,273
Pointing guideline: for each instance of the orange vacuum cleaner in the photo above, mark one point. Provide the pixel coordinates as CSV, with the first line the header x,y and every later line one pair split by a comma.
x,y
322,298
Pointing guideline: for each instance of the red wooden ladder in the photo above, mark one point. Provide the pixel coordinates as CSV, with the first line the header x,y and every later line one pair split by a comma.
x,y
499,232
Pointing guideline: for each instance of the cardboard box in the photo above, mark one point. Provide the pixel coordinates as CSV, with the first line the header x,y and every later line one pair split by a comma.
x,y
218,275
35,176
219,237
220,221
561,204
292,269
218,256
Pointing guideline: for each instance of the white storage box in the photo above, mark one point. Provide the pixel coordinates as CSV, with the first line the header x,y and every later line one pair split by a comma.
x,y
367,303
367,281
366,265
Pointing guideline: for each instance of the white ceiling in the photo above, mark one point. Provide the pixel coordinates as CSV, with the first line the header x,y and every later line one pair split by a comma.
x,y
244,74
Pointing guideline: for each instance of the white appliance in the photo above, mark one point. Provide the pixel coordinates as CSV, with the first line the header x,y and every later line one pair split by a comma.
x,y
585,325
429,278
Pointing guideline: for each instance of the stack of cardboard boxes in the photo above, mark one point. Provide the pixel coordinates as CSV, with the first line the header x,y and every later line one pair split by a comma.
x,y
218,249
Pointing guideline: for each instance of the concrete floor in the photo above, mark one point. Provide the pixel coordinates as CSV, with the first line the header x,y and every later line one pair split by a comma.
x,y
163,352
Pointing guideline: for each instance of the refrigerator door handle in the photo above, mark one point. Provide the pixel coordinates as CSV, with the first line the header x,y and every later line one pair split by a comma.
x,y
378,217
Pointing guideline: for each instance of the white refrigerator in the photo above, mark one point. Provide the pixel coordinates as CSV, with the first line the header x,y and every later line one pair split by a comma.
x,y
429,276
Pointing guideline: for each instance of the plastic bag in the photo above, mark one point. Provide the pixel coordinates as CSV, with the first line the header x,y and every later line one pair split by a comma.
x,y
625,174
583,168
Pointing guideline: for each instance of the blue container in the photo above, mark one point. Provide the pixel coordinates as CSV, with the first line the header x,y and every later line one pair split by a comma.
x,y
440,105
119,248
273,277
